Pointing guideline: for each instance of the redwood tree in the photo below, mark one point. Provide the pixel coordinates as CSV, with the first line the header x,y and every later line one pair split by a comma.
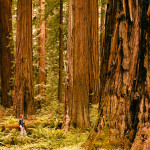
x,y
6,56
60,84
94,71
77,74
124,116
42,74
0,59
23,90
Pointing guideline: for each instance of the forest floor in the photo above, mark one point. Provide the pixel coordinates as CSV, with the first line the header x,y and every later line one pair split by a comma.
x,y
43,132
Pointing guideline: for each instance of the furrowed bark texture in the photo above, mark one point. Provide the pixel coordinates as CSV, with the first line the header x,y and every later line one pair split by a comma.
x,y
6,56
60,85
94,72
124,112
0,81
23,91
77,75
103,8
0,54
42,74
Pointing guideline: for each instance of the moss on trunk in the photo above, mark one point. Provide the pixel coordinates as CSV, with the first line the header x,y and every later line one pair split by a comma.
x,y
124,117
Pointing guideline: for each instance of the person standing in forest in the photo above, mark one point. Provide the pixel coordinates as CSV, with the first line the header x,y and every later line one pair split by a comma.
x,y
21,125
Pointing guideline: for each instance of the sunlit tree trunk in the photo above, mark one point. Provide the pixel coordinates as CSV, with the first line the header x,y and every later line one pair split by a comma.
x,y
6,56
124,116
60,86
42,74
77,74
23,90
94,80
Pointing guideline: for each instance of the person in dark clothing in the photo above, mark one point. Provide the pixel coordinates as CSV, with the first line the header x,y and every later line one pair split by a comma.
x,y
21,125
21,121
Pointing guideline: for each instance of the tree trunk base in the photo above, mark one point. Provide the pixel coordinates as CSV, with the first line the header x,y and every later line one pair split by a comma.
x,y
142,140
110,140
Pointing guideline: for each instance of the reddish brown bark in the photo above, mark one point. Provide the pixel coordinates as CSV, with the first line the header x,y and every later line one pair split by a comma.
x,y
77,75
6,56
0,84
94,72
0,66
103,8
0,55
60,85
42,74
124,117
23,91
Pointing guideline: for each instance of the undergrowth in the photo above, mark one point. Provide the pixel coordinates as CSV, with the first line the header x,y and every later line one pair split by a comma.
x,y
42,138
43,132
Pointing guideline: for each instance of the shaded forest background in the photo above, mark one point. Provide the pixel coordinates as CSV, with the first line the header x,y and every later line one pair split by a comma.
x,y
52,17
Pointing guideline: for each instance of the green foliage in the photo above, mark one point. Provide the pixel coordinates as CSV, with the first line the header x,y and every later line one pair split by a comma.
x,y
59,138
40,134
52,49
35,43
93,114
13,139
52,45
11,120
5,112
41,137
52,18
43,133
108,138
53,110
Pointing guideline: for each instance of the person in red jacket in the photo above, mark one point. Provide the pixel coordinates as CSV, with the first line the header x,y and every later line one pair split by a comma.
x,y
21,125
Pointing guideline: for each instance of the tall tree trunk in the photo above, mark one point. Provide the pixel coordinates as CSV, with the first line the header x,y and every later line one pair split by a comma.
x,y
124,116
94,72
77,75
60,85
103,7
0,86
0,54
6,56
42,74
23,91
0,57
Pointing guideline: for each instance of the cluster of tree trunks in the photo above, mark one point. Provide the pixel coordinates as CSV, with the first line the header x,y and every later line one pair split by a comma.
x,y
123,91
124,110
23,89
82,74
6,48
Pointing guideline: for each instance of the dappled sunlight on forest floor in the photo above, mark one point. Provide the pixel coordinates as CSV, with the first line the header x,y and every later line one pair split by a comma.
x,y
42,133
